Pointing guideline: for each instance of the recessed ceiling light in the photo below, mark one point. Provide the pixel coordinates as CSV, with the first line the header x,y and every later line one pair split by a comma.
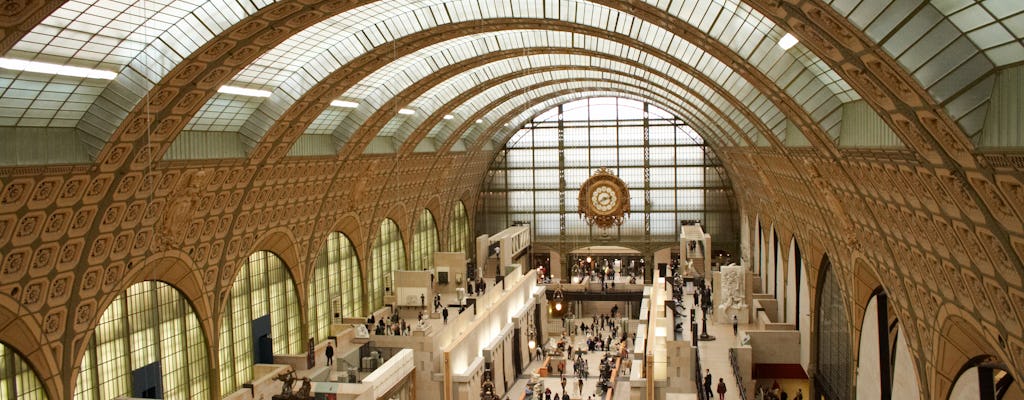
x,y
406,111
479,121
243,91
344,104
448,116
787,41
55,69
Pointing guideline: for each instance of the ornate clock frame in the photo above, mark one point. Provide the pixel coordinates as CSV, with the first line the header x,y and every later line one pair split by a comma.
x,y
604,200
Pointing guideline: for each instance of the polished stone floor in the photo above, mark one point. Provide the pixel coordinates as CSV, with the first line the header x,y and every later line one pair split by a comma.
x,y
714,356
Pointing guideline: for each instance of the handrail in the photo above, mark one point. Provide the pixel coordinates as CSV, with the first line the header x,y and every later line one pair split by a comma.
x,y
736,373
701,395
613,380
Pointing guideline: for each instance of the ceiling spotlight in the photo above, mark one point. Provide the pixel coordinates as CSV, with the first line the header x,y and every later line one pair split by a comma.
x,y
448,116
479,121
406,111
787,41
241,91
55,69
344,104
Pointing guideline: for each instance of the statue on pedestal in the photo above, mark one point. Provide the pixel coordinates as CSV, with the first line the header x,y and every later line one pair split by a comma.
x,y
690,271
487,388
288,379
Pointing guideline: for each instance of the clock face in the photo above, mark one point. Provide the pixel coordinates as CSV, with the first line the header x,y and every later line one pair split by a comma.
x,y
604,199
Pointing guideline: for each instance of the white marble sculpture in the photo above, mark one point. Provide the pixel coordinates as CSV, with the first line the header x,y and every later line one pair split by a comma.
x,y
732,290
690,271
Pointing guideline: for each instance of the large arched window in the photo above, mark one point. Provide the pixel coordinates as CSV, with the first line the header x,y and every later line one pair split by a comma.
x,y
262,307
336,285
148,344
424,242
885,369
833,338
458,229
388,256
672,175
983,380
17,379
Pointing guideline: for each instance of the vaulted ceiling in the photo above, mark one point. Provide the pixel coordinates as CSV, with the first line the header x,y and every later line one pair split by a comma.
x,y
888,137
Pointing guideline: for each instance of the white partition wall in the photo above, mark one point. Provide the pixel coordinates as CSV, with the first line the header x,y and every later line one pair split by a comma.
x,y
494,316
804,318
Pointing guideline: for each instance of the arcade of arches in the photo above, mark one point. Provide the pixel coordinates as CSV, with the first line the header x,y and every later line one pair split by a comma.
x,y
180,181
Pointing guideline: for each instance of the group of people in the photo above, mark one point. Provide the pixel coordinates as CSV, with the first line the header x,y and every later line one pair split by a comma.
x,y
762,392
393,326
479,289
776,393
720,388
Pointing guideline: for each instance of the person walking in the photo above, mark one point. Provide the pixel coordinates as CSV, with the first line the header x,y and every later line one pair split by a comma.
x,y
735,326
721,389
444,314
799,394
707,385
329,352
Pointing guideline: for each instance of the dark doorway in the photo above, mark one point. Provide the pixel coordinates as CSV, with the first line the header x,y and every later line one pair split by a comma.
x,y
147,383
262,345
517,351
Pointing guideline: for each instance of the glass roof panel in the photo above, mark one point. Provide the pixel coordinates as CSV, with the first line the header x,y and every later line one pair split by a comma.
x,y
108,35
309,56
993,25
495,93
437,56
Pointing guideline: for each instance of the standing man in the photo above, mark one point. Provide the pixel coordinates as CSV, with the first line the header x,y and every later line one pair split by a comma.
x,y
735,326
721,389
707,385
330,353
444,315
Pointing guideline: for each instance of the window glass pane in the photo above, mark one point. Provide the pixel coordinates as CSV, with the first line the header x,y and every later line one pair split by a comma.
x,y
576,157
519,158
576,137
653,152
545,200
388,256
17,379
603,157
520,200
603,135
424,243
145,326
544,179
543,158
576,112
458,230
263,286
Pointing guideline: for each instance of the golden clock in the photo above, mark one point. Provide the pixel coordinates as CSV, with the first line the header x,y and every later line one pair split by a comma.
x,y
604,200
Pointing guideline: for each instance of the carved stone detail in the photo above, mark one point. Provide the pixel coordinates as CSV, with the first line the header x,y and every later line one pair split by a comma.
x,y
175,220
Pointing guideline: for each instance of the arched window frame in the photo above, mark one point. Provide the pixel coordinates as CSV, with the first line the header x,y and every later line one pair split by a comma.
x,y
424,242
149,322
